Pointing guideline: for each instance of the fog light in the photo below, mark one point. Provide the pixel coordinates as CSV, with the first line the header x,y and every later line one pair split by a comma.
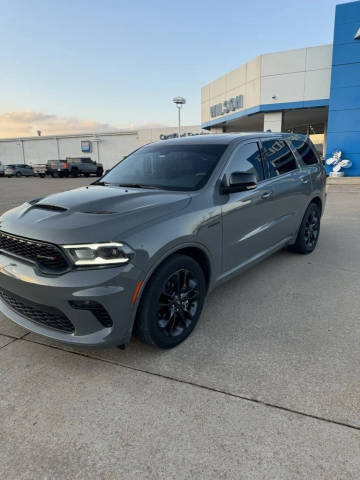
x,y
95,308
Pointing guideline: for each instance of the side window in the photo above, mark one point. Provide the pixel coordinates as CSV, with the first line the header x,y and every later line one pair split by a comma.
x,y
278,157
306,151
247,158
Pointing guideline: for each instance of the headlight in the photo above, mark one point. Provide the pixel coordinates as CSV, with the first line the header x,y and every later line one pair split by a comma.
x,y
99,254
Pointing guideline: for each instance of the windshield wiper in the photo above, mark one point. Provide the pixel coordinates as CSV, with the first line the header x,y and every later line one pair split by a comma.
x,y
136,185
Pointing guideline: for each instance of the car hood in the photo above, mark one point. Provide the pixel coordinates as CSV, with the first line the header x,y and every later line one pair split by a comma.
x,y
91,214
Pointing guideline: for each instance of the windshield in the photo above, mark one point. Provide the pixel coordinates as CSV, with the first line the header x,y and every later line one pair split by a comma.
x,y
169,167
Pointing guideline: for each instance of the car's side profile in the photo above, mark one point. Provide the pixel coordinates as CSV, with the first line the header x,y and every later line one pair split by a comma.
x,y
140,248
19,170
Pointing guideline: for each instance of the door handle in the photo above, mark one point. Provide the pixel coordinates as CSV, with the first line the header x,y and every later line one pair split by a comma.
x,y
266,195
304,179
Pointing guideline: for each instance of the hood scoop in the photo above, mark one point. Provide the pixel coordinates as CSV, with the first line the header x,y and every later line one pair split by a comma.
x,y
54,208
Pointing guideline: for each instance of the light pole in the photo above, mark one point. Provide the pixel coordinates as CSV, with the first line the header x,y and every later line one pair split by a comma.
x,y
179,102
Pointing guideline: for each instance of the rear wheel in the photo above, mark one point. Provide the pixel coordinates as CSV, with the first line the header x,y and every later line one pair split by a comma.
x,y
18,174
171,303
309,230
99,172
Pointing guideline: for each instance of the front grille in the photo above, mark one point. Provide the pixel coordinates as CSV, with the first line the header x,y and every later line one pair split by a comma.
x,y
49,316
47,256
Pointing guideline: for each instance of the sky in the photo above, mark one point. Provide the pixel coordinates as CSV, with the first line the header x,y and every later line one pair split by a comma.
x,y
88,65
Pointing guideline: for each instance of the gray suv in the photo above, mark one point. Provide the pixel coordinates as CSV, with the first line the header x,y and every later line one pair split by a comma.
x,y
139,249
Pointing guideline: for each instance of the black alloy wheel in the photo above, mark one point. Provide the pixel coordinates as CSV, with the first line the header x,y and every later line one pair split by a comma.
x,y
178,303
312,229
172,302
309,231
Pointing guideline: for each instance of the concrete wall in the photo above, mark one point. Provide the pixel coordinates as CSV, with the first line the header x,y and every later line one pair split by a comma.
x,y
108,148
244,80
296,75
300,75
344,108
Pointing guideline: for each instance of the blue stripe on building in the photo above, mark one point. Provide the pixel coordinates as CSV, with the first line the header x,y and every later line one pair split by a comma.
x,y
344,106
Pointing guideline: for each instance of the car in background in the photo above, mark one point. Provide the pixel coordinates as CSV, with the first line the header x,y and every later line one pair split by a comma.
x,y
57,168
39,169
2,170
74,167
19,170
84,166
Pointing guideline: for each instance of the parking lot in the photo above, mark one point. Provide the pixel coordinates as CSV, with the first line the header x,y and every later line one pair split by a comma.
x,y
266,387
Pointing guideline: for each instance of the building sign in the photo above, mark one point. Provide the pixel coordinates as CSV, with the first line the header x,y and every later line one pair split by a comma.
x,y
86,146
175,135
231,105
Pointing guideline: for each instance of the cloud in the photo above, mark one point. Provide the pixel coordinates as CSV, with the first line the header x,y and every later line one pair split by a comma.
x,y
26,123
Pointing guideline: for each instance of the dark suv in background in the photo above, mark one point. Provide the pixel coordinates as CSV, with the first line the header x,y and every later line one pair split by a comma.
x,y
139,249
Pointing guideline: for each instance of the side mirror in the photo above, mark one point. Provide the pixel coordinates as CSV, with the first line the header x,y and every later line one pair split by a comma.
x,y
240,182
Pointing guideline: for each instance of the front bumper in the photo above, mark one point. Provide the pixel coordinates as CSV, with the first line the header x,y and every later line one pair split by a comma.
x,y
113,288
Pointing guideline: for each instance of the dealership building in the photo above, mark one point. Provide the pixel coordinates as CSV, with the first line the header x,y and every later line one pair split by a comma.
x,y
313,90
107,148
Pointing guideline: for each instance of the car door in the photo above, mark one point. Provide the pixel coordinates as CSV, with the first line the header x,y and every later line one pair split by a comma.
x,y
28,170
245,215
291,187
311,162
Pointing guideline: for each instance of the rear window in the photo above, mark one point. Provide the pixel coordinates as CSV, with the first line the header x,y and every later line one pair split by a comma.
x,y
306,151
279,157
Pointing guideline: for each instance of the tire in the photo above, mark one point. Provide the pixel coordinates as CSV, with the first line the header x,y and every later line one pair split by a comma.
x,y
167,313
18,174
42,175
74,172
309,231
86,174
99,172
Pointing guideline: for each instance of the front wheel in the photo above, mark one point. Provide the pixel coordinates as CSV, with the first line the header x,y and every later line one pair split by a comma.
x,y
99,172
171,303
309,230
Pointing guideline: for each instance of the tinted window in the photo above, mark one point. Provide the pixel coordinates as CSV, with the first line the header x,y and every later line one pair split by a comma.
x,y
305,151
279,157
169,167
247,159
